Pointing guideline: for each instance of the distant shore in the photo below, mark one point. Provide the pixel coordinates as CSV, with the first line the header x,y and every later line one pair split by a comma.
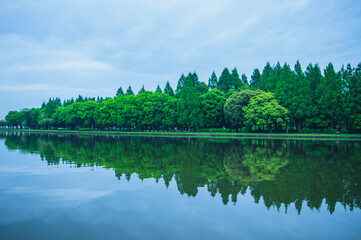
x,y
198,134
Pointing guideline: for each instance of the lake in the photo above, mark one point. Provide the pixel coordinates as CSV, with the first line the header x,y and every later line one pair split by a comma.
x,y
120,187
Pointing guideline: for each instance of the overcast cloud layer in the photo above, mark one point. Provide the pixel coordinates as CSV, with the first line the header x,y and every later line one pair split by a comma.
x,y
62,48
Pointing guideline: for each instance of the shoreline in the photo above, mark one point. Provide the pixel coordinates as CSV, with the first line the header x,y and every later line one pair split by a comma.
x,y
198,134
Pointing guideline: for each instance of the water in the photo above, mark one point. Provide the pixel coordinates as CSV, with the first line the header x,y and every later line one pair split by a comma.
x,y
112,187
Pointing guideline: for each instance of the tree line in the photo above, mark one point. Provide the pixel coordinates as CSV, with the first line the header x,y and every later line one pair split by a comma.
x,y
278,99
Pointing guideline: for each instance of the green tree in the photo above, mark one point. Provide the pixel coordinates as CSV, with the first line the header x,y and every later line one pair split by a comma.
x,y
142,90
119,92
236,81
188,105
264,110
293,92
212,108
203,88
213,81
13,119
330,92
255,78
225,82
266,73
129,91
233,108
158,90
180,84
272,80
351,114
168,89
244,79
170,113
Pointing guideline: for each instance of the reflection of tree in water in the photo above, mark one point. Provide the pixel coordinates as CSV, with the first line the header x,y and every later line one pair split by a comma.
x,y
256,162
278,172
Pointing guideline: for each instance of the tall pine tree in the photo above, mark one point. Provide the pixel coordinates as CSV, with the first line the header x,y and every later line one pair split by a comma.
x,y
236,81
225,82
213,81
255,78
330,90
168,89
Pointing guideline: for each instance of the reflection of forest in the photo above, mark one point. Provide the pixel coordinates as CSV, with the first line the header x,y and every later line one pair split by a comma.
x,y
278,171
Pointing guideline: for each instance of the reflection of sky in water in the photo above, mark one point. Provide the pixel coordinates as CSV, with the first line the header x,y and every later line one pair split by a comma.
x,y
40,201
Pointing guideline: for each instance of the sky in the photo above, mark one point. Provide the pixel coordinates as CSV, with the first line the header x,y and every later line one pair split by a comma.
x,y
63,48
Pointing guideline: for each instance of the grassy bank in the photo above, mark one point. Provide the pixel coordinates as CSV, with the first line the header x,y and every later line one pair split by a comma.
x,y
200,134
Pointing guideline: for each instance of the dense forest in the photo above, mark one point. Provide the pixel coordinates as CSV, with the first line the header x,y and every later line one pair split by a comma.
x,y
275,172
278,99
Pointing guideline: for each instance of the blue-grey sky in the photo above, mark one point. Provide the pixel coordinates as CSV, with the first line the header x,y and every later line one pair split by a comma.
x,y
62,48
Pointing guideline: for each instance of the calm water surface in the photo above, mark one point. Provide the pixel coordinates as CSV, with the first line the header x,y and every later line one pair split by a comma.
x,y
112,187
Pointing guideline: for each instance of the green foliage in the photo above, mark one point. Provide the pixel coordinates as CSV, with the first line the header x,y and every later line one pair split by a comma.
x,y
313,101
188,105
330,92
158,90
244,79
290,86
271,83
264,110
129,91
142,90
236,81
255,78
225,82
119,92
233,108
168,89
13,119
213,81
212,108
266,73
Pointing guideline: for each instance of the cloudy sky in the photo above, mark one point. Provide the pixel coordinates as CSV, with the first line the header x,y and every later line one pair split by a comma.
x,y
62,48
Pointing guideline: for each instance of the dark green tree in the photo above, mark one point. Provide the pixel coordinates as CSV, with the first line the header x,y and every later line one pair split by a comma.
x,y
225,82
255,78
129,91
188,105
180,84
330,92
142,90
212,108
266,73
158,90
244,79
168,89
119,92
233,108
236,81
213,81
313,75
203,88
272,80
